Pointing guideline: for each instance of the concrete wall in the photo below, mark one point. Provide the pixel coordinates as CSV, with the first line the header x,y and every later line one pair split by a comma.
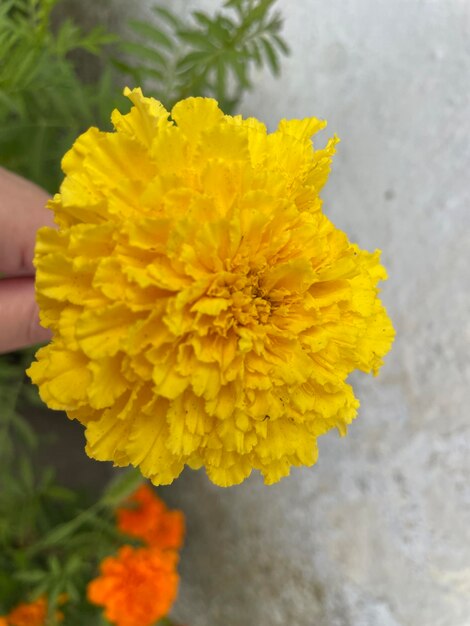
x,y
378,533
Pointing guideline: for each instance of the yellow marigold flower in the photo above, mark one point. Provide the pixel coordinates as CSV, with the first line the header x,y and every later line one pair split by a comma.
x,y
137,587
204,309
146,517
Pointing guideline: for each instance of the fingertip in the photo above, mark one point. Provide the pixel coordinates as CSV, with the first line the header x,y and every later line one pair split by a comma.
x,y
19,315
22,212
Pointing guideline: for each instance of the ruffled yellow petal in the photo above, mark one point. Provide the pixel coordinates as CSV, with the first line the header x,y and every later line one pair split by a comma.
x,y
62,376
302,129
101,332
144,117
108,382
195,115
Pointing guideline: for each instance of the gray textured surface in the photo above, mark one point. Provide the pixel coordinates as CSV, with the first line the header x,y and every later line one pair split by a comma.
x,y
378,533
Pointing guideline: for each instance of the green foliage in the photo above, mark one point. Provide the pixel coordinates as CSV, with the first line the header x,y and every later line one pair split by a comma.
x,y
207,56
44,104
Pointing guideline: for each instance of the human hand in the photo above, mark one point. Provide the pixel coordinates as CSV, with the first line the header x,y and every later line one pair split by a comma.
x,y
22,212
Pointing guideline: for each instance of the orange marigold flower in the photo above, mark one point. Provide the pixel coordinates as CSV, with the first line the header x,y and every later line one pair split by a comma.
x,y
28,614
137,587
149,519
32,613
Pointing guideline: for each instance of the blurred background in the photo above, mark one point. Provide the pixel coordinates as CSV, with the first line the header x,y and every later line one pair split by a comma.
x,y
378,532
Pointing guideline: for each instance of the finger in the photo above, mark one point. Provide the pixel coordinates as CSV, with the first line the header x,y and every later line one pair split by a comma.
x,y
19,319
22,212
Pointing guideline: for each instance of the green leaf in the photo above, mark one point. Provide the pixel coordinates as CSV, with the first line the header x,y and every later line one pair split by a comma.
x,y
152,73
96,40
271,56
106,96
73,594
60,494
68,36
254,52
14,106
197,39
153,34
239,68
26,67
54,564
6,8
281,44
202,19
61,532
127,69
222,30
191,60
26,473
274,24
30,576
47,477
221,74
169,17
121,487
25,432
73,564
143,52
37,148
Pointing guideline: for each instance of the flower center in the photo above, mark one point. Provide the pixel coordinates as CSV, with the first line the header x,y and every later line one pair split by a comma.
x,y
247,302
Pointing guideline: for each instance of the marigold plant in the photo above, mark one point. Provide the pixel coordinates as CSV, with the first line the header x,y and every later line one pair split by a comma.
x,y
204,309
137,587
146,517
